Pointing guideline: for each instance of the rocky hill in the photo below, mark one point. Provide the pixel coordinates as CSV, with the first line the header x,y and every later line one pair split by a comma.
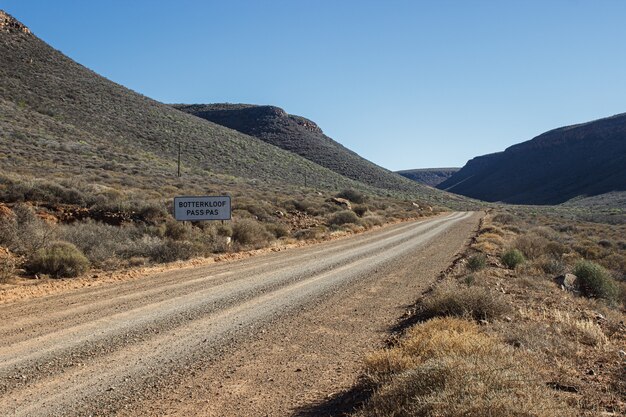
x,y
571,162
429,176
301,136
60,121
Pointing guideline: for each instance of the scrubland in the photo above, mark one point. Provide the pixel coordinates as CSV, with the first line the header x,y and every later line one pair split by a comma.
x,y
505,332
60,229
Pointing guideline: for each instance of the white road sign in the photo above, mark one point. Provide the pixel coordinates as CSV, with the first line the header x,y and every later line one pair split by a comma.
x,y
202,208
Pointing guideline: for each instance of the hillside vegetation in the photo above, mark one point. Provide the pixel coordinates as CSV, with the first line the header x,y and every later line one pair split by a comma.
x,y
303,137
571,162
429,176
88,170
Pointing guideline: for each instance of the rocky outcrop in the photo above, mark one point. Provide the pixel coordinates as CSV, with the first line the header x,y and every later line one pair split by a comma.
x,y
9,24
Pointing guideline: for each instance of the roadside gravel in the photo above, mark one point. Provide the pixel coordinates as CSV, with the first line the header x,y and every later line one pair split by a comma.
x,y
259,336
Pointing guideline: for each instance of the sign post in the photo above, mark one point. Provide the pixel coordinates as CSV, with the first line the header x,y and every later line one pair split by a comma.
x,y
202,208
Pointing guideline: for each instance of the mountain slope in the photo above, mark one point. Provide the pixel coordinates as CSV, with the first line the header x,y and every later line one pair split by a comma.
x,y
60,119
301,136
429,176
581,160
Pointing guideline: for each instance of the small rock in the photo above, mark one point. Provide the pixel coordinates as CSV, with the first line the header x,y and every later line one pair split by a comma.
x,y
591,372
298,370
507,318
567,282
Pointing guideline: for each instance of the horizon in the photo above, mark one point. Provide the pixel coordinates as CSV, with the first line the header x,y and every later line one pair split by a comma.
x,y
504,73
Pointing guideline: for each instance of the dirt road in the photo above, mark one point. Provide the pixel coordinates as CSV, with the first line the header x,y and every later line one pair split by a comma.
x,y
267,335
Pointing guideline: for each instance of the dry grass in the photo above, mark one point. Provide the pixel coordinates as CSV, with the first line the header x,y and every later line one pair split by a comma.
x,y
519,364
472,302
448,367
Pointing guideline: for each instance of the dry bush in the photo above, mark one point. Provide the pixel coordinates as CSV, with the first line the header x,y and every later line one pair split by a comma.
x,y
492,230
251,232
277,229
551,265
504,219
59,260
24,233
360,210
7,265
475,302
447,367
101,243
312,233
371,221
531,245
354,196
343,217
169,250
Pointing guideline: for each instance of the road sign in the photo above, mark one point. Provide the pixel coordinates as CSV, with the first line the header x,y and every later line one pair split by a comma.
x,y
202,208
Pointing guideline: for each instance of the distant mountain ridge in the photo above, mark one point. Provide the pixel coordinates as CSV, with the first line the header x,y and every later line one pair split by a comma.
x,y
301,136
428,176
586,159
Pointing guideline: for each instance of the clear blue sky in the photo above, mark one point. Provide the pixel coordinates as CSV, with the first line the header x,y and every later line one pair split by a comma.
x,y
406,84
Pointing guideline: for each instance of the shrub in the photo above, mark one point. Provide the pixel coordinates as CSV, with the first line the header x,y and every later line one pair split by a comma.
x,y
595,281
277,229
477,262
361,210
7,265
59,260
250,232
353,195
24,233
504,218
169,250
101,243
512,258
531,245
343,217
176,230
475,302
371,221
448,367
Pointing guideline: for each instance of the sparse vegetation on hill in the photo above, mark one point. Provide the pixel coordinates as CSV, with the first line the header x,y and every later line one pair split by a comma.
x,y
571,162
303,137
429,176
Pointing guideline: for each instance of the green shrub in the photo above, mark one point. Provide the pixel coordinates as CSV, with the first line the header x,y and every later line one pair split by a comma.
x,y
476,262
59,260
251,232
595,281
343,217
512,258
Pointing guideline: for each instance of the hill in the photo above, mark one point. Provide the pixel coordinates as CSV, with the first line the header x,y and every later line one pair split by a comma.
x,y
429,176
63,122
62,118
576,161
300,136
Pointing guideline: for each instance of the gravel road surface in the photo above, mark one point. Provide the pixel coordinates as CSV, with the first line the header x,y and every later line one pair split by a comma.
x,y
276,334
